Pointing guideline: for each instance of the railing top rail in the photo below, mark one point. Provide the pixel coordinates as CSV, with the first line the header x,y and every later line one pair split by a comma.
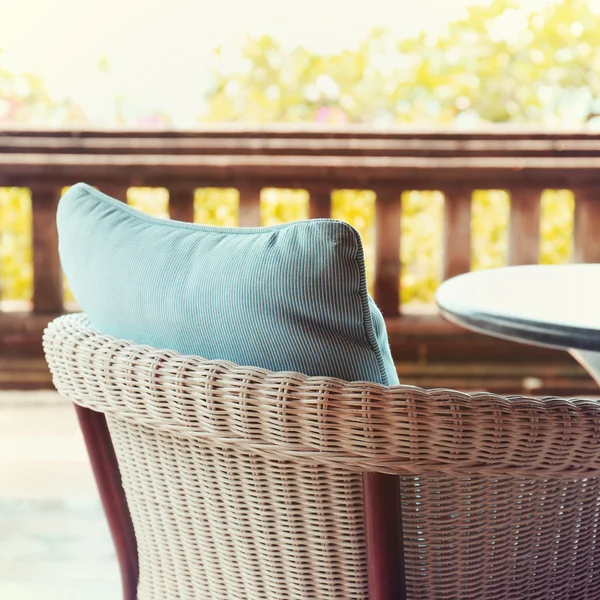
x,y
299,146
300,170
242,130
292,156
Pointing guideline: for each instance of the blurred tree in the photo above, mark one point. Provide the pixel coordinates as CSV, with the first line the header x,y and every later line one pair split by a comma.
x,y
498,63
24,100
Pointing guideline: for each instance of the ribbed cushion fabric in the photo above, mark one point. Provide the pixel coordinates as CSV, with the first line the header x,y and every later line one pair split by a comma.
x,y
287,298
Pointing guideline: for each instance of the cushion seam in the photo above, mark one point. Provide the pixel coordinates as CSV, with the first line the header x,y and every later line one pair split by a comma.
x,y
134,212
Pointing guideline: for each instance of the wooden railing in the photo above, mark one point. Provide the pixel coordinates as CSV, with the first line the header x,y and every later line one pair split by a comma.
x,y
429,351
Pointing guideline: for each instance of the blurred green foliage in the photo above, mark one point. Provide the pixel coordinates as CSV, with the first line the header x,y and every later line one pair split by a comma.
x,y
150,200
497,64
421,235
216,206
556,227
357,207
16,268
25,101
490,211
281,206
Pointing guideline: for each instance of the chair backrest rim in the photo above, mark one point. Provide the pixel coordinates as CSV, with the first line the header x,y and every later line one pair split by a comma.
x,y
360,426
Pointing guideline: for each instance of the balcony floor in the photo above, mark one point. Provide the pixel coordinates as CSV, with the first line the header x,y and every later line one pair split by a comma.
x,y
54,542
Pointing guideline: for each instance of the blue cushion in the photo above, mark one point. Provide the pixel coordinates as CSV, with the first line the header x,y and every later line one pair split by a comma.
x,y
287,298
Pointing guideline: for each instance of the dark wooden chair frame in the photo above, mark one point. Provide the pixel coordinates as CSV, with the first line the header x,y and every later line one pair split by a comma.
x,y
383,519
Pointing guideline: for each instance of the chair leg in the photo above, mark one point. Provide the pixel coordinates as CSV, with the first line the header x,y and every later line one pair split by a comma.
x,y
108,479
385,551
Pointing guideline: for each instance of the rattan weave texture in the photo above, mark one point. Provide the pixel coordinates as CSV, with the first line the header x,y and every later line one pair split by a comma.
x,y
245,484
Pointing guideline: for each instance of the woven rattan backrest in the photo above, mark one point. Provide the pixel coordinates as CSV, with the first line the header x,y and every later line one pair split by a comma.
x,y
243,483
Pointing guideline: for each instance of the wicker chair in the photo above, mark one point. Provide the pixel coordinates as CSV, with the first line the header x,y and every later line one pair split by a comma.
x,y
229,482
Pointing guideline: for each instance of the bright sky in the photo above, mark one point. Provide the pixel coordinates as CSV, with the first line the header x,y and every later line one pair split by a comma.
x,y
159,50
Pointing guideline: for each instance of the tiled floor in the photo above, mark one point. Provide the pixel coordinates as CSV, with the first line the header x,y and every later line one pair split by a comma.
x,y
54,543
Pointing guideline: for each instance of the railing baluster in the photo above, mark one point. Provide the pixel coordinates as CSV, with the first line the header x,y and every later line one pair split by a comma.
x,y
47,272
587,217
387,251
181,203
524,229
319,206
457,232
117,191
249,206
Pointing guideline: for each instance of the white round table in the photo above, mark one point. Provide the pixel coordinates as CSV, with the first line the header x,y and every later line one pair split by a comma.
x,y
546,305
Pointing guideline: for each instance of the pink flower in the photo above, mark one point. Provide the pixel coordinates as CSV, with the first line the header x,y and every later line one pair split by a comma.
x,y
331,114
150,121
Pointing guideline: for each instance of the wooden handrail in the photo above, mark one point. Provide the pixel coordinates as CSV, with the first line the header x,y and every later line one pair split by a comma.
x,y
299,171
